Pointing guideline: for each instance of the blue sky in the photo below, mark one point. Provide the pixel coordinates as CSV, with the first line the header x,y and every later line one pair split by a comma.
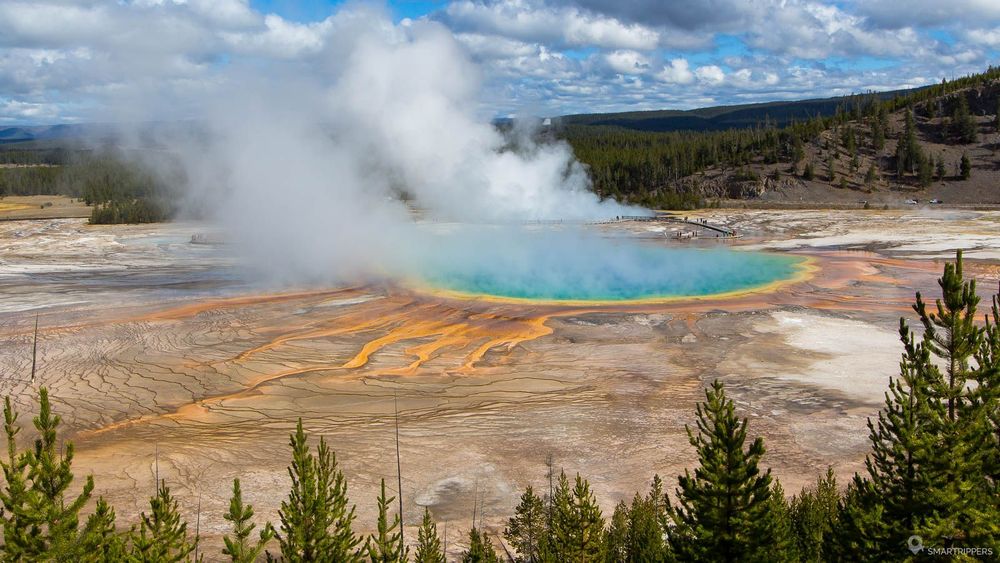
x,y
71,61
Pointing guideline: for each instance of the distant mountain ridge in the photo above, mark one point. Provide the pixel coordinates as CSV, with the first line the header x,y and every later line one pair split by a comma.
x,y
718,118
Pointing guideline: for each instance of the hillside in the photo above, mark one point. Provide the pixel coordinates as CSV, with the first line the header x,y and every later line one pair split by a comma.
x,y
719,118
881,149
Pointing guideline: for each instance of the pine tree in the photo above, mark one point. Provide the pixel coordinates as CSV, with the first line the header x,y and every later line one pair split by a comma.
x,y
939,168
386,545
52,519
238,545
861,529
925,171
996,116
315,519
577,525
908,153
14,496
888,505
808,172
960,513
645,532
101,541
962,122
927,473
428,543
724,509
526,530
871,175
814,517
966,167
878,136
779,526
162,535
616,546
480,549
986,396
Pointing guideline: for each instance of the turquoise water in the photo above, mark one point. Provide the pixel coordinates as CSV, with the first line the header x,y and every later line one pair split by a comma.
x,y
575,267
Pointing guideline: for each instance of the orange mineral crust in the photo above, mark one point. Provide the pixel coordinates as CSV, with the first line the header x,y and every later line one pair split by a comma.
x,y
486,389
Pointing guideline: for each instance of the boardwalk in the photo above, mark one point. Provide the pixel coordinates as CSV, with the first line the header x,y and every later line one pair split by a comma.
x,y
721,230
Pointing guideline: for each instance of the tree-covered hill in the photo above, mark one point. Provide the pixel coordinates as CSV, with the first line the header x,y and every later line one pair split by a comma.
x,y
937,142
718,118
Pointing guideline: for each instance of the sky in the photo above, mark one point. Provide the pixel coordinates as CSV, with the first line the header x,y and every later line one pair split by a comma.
x,y
74,61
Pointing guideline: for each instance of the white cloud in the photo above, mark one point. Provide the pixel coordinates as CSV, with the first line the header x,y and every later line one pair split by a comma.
x,y
282,38
985,37
678,72
627,62
62,59
541,23
710,74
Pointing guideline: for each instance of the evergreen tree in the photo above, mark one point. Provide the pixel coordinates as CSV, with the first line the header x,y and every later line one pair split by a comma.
x,y
871,175
14,496
644,541
808,172
101,541
908,153
315,519
238,546
162,535
39,521
878,137
939,168
785,547
616,547
960,510
577,524
887,508
927,473
966,167
814,517
428,543
526,530
925,172
386,545
987,395
962,122
724,510
480,549
996,116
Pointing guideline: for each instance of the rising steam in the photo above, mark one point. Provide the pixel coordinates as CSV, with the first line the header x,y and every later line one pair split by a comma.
x,y
321,174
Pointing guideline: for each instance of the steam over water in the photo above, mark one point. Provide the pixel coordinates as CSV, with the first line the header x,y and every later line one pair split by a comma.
x,y
315,178
575,266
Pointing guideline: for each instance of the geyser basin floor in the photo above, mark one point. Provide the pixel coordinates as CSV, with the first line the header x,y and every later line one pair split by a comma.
x,y
579,268
485,390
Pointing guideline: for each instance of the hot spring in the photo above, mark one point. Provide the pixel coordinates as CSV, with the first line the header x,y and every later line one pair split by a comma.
x,y
581,266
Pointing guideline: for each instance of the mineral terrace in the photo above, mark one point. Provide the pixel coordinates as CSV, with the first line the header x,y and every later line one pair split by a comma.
x,y
160,358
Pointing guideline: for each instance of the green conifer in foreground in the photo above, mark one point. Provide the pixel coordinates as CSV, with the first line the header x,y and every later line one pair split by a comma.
x,y
315,519
40,519
480,549
238,545
162,535
526,530
428,543
932,444
577,524
723,511
386,545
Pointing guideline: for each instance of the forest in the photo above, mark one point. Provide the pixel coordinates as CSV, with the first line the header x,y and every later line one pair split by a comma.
x,y
930,487
646,167
116,185
628,163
